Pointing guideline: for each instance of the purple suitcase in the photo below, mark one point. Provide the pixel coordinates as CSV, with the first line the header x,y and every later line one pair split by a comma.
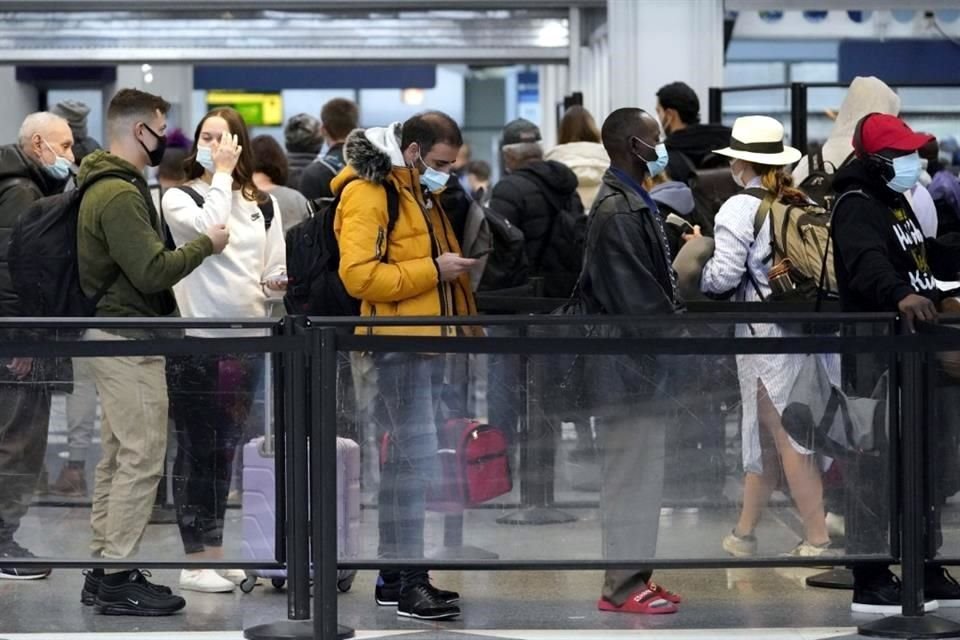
x,y
259,510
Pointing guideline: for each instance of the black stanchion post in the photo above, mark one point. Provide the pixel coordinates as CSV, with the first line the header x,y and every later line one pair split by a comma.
x,y
295,404
912,623
323,480
798,115
716,105
537,455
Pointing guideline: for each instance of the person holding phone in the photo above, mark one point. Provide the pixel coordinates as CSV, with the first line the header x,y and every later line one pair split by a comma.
x,y
211,395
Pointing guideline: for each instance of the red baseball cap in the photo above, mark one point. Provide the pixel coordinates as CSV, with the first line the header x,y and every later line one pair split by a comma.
x,y
880,131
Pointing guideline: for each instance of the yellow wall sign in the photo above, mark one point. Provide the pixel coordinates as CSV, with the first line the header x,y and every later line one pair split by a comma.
x,y
257,109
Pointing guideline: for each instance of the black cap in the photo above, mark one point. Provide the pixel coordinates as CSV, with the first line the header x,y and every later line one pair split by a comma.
x,y
519,131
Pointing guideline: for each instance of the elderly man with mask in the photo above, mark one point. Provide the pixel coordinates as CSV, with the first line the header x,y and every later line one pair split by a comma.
x,y
38,165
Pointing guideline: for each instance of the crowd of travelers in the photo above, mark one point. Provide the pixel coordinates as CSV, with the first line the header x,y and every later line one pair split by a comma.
x,y
610,220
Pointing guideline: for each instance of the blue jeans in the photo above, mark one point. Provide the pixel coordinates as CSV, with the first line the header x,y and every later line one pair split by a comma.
x,y
408,388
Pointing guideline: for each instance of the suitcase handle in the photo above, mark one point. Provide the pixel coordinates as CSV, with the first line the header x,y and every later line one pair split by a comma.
x,y
268,447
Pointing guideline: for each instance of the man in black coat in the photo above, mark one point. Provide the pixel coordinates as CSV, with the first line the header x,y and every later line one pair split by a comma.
x,y
628,271
37,166
688,140
337,119
531,196
884,263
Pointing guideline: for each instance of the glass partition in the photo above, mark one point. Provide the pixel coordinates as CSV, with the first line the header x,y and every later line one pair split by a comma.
x,y
161,458
706,441
531,453
943,444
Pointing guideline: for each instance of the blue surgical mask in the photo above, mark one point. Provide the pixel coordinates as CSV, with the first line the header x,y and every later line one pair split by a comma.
x,y
61,167
435,181
656,167
907,171
205,158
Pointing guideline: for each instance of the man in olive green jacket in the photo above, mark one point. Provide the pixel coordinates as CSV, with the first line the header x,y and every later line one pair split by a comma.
x,y
124,262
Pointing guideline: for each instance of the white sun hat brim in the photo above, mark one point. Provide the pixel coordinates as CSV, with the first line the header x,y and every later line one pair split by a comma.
x,y
789,155
759,139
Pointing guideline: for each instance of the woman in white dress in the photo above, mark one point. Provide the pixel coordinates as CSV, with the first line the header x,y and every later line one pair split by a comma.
x,y
740,265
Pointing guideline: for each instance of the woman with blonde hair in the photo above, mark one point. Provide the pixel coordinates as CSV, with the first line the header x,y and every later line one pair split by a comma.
x,y
740,265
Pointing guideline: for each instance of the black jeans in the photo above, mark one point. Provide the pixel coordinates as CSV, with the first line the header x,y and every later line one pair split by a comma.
x,y
409,387
210,398
24,421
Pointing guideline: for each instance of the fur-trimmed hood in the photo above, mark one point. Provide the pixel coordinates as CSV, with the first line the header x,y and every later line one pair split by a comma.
x,y
374,152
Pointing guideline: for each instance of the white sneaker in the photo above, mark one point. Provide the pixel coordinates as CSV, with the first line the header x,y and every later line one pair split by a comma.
x,y
740,546
836,525
236,576
204,581
808,550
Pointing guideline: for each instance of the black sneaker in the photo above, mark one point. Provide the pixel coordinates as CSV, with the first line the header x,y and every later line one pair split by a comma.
x,y
942,587
91,585
131,594
421,602
882,596
13,551
387,594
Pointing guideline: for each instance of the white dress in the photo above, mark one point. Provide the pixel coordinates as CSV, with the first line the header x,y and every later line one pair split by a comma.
x,y
737,251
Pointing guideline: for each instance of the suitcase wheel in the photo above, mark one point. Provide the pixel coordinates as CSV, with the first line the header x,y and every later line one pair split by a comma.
x,y
278,583
344,584
248,584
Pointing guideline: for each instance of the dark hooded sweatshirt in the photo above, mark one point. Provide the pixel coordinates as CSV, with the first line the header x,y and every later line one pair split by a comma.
x,y
880,253
22,181
694,143
529,198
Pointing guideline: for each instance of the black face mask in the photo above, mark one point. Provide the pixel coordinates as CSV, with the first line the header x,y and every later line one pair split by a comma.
x,y
156,155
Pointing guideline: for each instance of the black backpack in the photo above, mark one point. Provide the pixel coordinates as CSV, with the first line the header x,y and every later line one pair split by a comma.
x,y
818,185
560,257
266,208
43,257
711,189
313,260
507,265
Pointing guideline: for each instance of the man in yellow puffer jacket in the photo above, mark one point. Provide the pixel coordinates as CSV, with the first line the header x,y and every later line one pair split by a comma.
x,y
413,270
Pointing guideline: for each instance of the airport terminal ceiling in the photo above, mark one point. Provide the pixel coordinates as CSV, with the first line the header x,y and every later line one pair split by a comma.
x,y
109,32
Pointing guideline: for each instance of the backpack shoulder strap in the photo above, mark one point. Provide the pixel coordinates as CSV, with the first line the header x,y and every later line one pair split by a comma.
x,y
330,167
393,207
266,208
393,215
846,194
193,193
767,201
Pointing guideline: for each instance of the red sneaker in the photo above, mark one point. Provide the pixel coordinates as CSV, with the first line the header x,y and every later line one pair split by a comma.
x,y
667,595
644,601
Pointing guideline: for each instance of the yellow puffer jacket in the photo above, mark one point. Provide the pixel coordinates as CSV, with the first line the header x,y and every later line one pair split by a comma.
x,y
407,284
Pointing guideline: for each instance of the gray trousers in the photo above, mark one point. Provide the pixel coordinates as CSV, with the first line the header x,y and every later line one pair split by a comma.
x,y
633,452
81,410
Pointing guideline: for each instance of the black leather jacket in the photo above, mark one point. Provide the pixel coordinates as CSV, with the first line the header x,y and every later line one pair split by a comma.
x,y
626,271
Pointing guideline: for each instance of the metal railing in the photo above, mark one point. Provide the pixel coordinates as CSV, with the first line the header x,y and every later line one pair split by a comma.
x,y
306,379
799,112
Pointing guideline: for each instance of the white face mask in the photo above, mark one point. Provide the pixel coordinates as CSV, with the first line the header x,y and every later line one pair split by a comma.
x,y
737,175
